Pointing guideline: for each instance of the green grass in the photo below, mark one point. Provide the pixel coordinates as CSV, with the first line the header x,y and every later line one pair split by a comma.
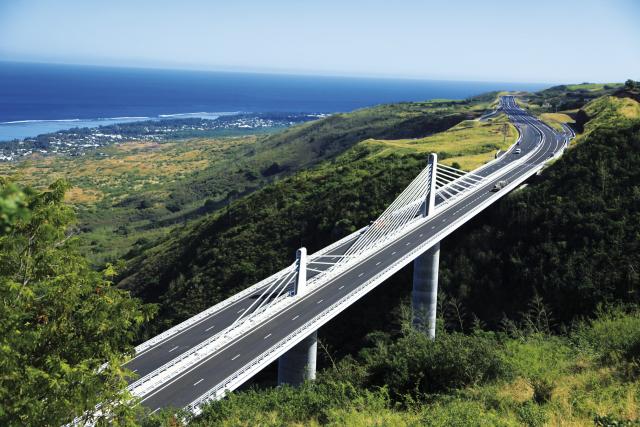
x,y
593,87
470,143
554,120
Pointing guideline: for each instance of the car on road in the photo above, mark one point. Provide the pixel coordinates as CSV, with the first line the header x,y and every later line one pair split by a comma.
x,y
518,151
499,185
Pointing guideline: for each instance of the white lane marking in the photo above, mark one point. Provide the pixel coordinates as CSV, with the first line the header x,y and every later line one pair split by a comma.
x,y
341,287
378,263
209,328
154,411
266,337
393,253
296,317
408,243
235,357
198,382
173,348
240,311
319,301
134,371
361,274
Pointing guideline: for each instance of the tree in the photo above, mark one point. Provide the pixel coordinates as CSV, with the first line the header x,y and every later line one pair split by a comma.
x,y
60,321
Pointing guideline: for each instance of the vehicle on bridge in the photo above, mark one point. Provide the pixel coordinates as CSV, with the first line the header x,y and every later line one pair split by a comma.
x,y
499,185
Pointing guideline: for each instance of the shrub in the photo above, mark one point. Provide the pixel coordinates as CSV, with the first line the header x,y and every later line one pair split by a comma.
x,y
614,337
414,364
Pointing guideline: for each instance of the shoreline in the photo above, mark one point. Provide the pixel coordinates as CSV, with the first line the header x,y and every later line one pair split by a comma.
x,y
22,129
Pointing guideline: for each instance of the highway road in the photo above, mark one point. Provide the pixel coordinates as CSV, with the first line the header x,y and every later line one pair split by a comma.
x,y
209,372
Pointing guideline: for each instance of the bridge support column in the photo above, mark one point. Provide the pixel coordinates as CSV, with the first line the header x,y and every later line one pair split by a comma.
x,y
299,363
424,296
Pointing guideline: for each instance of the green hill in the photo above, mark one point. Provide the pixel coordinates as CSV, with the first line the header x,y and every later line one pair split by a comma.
x,y
516,281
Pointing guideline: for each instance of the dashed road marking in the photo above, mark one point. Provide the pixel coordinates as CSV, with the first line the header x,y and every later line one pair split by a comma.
x,y
266,337
209,328
296,317
319,301
198,382
174,348
361,274
241,311
235,357
341,287
378,263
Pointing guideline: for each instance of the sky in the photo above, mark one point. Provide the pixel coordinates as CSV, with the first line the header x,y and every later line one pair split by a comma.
x,y
510,41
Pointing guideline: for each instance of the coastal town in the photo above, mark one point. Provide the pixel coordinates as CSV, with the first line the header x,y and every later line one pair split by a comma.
x,y
77,141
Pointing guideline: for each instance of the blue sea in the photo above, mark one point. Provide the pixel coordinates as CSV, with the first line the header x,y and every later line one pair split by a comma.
x,y
40,98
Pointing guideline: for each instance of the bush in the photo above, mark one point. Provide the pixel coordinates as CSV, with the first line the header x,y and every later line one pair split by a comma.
x,y
613,336
414,364
285,404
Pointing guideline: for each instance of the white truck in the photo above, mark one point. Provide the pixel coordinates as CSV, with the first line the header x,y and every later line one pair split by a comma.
x,y
499,185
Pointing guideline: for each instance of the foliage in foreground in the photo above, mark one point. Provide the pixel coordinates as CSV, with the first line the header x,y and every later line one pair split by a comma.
x,y
515,378
60,321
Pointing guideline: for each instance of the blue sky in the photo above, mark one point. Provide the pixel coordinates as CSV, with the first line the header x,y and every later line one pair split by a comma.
x,y
530,41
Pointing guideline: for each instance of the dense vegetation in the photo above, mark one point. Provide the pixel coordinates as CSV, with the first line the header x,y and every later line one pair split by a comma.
x,y
60,321
520,376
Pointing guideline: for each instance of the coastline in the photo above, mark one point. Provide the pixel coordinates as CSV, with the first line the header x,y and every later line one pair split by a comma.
x,y
21,129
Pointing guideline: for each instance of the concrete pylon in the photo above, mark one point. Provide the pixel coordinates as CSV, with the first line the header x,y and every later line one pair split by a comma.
x,y
299,363
424,296
430,203
301,279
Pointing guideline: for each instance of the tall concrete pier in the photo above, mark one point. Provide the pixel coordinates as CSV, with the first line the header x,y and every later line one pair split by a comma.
x,y
424,296
299,363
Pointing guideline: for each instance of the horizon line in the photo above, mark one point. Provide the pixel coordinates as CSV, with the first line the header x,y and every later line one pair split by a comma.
x,y
282,72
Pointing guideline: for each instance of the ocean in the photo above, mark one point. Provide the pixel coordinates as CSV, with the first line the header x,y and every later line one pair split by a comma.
x,y
41,98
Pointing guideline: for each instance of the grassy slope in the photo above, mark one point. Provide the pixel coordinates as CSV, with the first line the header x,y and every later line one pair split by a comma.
x,y
555,119
121,190
470,143
563,98
130,195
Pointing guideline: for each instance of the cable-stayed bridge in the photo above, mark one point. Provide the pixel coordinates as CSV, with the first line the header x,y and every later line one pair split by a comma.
x,y
219,349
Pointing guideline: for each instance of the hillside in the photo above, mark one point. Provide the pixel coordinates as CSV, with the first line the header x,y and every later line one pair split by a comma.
x,y
515,283
312,208
567,97
218,256
128,195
